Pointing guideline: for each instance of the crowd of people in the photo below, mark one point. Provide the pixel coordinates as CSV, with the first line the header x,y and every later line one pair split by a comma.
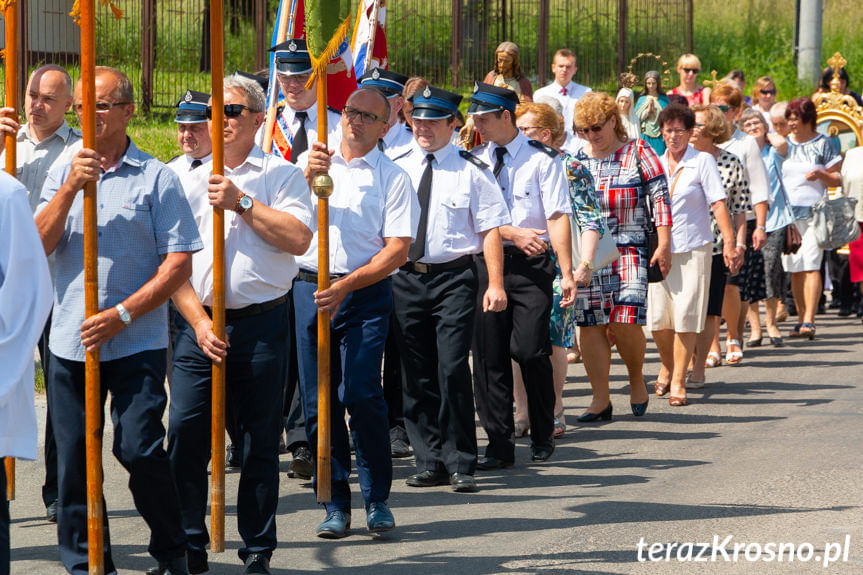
x,y
470,263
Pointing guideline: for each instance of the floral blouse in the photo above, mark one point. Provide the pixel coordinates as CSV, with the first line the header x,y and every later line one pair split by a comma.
x,y
582,195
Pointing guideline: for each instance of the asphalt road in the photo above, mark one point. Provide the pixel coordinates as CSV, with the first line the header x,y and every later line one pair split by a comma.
x,y
768,453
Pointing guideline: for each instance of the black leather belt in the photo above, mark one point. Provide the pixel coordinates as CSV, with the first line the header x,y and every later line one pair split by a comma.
x,y
462,262
312,277
250,310
514,251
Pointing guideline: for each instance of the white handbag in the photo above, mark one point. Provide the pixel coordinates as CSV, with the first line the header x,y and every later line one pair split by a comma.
x,y
606,249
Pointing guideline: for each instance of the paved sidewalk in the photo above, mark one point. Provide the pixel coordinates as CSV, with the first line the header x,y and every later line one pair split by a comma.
x,y
768,452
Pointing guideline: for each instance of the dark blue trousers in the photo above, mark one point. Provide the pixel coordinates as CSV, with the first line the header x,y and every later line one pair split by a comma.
x,y
253,385
358,334
4,522
137,386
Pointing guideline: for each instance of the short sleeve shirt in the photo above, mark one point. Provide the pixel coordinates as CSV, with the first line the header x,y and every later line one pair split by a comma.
x,y
465,201
800,158
372,199
142,216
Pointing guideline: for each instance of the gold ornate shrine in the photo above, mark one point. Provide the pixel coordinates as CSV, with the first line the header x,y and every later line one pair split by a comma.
x,y
839,116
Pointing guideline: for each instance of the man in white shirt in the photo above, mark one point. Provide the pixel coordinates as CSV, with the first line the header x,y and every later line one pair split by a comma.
x,y
25,302
267,221
193,133
45,141
564,66
373,218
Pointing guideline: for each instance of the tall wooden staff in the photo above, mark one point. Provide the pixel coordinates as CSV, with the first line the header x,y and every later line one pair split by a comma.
x,y
217,496
92,388
11,16
286,14
327,25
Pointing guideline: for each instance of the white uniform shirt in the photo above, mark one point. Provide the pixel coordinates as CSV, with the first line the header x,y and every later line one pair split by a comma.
x,y
397,141
182,164
746,149
697,187
533,182
372,199
288,115
567,101
26,296
465,201
256,270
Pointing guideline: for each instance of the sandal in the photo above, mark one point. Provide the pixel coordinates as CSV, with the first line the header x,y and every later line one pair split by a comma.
x,y
559,426
675,401
732,357
807,330
573,357
521,429
661,388
713,359
693,384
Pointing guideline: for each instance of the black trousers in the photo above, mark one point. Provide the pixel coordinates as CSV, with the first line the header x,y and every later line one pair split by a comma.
x,y
521,332
138,398
392,379
254,379
434,324
49,488
4,522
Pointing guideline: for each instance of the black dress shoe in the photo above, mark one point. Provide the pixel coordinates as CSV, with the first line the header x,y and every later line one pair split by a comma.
x,y
541,452
604,415
197,562
233,458
51,512
399,445
428,478
176,566
301,464
489,462
257,564
462,483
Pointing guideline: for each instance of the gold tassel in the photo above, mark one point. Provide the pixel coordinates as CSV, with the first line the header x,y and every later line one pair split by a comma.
x,y
319,63
76,10
5,4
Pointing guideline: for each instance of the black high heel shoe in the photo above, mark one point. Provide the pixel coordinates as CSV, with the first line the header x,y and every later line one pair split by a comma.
x,y
639,409
604,415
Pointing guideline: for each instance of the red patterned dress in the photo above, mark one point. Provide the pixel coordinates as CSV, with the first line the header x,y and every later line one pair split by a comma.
x,y
618,292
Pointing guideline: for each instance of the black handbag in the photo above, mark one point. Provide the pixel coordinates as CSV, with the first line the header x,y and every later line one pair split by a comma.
x,y
654,273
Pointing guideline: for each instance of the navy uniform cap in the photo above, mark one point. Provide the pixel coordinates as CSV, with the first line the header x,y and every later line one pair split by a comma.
x,y
487,98
192,108
389,82
292,57
261,80
434,104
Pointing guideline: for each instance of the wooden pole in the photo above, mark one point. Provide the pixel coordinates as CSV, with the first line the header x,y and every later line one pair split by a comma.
x,y
323,187
217,496
92,390
11,16
281,32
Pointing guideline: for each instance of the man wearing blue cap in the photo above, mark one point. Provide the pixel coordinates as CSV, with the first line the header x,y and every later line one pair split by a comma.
x,y
297,125
193,134
435,293
398,138
534,186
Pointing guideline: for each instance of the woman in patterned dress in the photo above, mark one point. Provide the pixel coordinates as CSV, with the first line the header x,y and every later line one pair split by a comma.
x,y
540,122
627,175
710,130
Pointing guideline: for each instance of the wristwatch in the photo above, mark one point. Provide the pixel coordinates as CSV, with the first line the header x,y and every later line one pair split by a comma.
x,y
124,314
588,265
244,202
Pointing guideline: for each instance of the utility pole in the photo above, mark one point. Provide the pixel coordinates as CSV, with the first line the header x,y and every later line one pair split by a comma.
x,y
809,42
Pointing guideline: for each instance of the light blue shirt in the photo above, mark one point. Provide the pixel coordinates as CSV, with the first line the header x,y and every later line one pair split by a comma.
x,y
142,216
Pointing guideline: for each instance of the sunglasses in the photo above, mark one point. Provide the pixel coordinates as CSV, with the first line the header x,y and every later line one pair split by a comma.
x,y
691,70
102,107
724,108
231,110
768,92
366,118
596,128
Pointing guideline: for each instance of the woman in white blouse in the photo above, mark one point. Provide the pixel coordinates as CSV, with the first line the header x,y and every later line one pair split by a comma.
x,y
677,306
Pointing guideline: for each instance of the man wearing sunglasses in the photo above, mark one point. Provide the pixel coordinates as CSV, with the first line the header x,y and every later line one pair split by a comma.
x,y
297,126
373,218
267,223
535,188
146,238
436,295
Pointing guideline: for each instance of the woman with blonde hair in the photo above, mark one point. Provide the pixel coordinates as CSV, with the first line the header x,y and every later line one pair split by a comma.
x,y
688,66
628,176
763,98
541,123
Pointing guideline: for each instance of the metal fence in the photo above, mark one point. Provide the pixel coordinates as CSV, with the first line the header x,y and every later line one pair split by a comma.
x,y
163,46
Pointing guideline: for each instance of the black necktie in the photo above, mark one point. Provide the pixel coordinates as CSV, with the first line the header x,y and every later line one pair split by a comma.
x,y
498,165
418,248
195,163
301,139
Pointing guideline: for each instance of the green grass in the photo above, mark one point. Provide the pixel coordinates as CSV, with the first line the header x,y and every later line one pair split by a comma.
x,y
40,379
